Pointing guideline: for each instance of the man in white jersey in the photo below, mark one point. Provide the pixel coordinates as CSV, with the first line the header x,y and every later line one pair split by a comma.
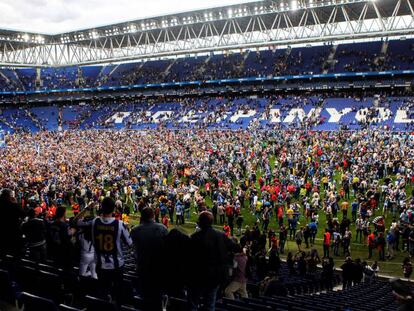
x,y
108,234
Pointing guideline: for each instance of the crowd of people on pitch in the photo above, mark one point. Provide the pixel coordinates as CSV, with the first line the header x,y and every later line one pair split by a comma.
x,y
364,179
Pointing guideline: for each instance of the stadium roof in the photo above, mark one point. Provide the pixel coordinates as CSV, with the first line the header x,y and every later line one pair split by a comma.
x,y
246,25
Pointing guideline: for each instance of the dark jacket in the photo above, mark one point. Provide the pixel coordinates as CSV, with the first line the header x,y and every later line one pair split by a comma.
x,y
177,250
210,261
35,232
11,238
148,240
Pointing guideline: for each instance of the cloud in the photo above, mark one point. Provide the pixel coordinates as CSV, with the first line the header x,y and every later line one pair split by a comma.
x,y
55,16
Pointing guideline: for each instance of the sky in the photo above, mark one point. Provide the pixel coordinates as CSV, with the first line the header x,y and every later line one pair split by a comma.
x,y
56,16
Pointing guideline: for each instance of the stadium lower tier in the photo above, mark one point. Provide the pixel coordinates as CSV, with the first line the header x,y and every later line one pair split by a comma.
x,y
273,112
45,286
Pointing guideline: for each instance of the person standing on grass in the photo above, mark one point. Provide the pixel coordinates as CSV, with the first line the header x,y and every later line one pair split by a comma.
x,y
390,243
359,229
354,210
221,212
239,223
313,228
381,246
346,242
411,242
179,211
371,243
326,243
282,239
344,208
306,235
292,227
299,238
407,268
366,229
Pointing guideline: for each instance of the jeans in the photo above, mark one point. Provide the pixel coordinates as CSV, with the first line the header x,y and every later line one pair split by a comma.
x,y
209,294
312,238
358,234
179,220
326,250
370,248
381,253
390,248
282,246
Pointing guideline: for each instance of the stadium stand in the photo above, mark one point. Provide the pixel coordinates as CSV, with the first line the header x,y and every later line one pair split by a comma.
x,y
314,112
353,57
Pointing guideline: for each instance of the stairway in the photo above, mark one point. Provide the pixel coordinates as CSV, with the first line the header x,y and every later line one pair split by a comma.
x,y
330,61
105,73
167,70
38,80
201,69
380,60
34,119
4,77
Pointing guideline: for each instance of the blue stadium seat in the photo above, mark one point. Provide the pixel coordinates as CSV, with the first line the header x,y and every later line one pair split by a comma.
x,y
138,302
63,307
128,308
8,292
50,286
89,286
26,277
177,304
97,304
35,303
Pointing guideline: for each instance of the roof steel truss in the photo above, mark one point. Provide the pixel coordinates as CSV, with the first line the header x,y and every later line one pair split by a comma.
x,y
306,22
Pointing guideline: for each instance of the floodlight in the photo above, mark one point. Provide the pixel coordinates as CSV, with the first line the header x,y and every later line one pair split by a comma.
x,y
94,35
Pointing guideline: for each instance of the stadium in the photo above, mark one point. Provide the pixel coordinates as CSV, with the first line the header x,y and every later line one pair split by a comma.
x,y
251,156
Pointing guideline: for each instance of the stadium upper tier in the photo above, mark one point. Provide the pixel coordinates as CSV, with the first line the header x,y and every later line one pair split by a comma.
x,y
273,112
394,55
